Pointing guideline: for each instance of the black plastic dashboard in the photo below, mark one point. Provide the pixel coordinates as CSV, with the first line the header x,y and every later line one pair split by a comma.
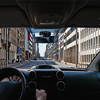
x,y
62,84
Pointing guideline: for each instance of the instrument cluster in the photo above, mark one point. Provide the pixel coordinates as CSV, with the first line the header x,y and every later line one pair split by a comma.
x,y
12,78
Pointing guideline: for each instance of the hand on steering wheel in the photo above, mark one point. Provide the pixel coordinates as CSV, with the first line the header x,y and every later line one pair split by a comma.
x,y
41,94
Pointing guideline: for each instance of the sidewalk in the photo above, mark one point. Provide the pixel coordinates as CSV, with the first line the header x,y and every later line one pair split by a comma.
x,y
17,64
71,64
66,63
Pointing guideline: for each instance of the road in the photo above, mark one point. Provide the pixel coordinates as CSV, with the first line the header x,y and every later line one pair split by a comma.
x,y
32,63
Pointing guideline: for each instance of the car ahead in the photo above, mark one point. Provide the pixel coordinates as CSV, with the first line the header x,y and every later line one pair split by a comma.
x,y
35,58
44,58
60,83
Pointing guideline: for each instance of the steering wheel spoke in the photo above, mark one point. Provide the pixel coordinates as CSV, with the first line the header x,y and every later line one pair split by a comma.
x,y
12,89
8,88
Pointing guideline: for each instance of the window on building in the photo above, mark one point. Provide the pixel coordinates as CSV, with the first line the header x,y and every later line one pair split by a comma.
x,y
85,31
96,41
4,33
82,34
85,45
71,38
64,44
96,29
69,32
87,58
89,44
99,40
82,47
89,31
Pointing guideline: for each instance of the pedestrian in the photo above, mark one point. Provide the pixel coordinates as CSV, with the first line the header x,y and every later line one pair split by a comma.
x,y
12,61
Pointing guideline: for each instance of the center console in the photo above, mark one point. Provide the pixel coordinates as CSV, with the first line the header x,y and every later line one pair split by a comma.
x,y
46,77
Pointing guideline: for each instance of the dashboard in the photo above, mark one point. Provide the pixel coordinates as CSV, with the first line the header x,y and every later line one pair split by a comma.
x,y
49,78
61,84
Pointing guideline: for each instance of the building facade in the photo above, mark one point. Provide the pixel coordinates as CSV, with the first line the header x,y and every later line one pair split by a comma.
x,y
13,48
20,44
4,40
75,46
12,40
65,49
30,47
89,45
37,51
71,46
33,47
55,47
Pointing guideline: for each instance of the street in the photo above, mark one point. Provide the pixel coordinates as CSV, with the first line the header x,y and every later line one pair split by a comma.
x,y
32,63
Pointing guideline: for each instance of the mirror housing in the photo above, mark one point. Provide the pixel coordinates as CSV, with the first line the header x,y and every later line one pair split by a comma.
x,y
50,39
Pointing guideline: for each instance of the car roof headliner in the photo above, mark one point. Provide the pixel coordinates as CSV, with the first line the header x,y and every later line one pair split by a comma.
x,y
49,13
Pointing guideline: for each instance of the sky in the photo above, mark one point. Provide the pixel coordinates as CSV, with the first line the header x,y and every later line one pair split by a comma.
x,y
42,46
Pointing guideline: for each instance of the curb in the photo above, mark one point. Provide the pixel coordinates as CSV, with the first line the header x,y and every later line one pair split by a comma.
x,y
16,65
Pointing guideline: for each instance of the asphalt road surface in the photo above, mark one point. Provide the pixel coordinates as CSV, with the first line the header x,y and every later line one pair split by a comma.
x,y
32,63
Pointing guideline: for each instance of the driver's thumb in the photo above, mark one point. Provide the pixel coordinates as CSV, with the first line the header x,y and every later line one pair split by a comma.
x,y
37,90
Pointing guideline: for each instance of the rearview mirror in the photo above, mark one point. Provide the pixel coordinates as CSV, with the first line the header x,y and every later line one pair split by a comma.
x,y
50,39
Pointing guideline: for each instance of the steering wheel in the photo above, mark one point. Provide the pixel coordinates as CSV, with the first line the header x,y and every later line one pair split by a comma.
x,y
9,89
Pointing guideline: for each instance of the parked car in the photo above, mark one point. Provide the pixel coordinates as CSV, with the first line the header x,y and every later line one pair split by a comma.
x,y
35,58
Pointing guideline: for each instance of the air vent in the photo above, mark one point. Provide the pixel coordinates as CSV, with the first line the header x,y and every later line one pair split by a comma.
x,y
32,85
60,85
60,75
32,75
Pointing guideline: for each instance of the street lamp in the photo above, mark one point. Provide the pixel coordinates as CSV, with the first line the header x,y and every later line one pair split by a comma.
x,y
6,47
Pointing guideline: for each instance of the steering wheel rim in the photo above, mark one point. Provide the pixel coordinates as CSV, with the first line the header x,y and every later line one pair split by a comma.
x,y
23,81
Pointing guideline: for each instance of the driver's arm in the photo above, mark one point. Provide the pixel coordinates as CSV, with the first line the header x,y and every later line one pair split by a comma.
x,y
41,94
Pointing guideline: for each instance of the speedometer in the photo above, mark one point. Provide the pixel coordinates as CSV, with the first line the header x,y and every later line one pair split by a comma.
x,y
15,78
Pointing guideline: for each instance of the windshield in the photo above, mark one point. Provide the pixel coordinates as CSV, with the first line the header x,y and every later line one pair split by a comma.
x,y
74,48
